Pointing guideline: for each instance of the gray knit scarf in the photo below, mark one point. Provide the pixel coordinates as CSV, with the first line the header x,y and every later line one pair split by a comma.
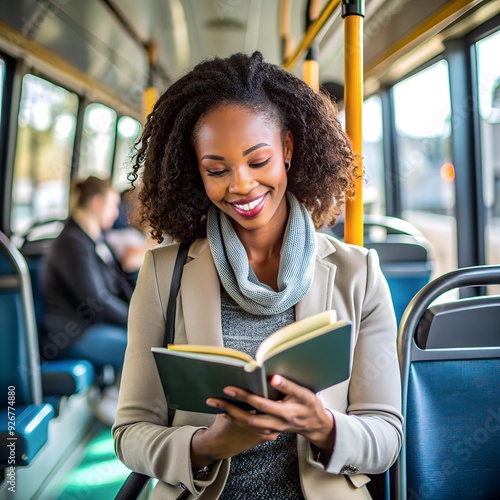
x,y
296,270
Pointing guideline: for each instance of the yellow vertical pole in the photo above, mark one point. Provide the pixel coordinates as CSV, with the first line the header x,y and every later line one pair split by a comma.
x,y
149,98
310,72
150,95
353,12
285,29
311,34
310,69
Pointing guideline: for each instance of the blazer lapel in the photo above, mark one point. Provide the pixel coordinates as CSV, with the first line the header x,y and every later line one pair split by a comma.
x,y
319,298
200,293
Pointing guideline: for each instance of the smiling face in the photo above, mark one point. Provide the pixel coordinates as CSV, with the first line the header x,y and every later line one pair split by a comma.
x,y
241,158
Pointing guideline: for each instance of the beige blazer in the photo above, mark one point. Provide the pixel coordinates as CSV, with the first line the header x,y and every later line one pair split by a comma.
x,y
366,407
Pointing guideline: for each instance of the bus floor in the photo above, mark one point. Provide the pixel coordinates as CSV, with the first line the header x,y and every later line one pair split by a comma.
x,y
99,474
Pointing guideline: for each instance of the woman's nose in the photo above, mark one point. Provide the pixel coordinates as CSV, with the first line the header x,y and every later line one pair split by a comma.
x,y
242,181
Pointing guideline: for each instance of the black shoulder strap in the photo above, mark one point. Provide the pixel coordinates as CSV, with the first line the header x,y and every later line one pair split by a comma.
x,y
135,481
174,290
132,487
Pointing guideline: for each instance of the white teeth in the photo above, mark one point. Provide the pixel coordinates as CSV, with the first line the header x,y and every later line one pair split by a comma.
x,y
249,206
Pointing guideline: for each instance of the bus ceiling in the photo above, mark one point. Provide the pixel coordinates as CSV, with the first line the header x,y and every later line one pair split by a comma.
x,y
109,46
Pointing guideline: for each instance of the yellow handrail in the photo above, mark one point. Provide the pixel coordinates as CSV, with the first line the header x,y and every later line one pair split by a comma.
x,y
423,31
311,34
149,98
310,68
353,103
353,98
285,28
310,72
150,94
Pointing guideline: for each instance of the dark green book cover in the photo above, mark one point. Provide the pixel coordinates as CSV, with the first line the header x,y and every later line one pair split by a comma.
x,y
190,379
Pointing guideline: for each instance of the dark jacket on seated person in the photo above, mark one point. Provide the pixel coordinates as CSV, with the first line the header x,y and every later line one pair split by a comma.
x,y
84,285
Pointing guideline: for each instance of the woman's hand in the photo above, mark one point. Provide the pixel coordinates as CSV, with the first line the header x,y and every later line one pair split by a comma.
x,y
301,412
224,439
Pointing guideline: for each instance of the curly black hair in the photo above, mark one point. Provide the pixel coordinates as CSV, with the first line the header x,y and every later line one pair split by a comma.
x,y
173,200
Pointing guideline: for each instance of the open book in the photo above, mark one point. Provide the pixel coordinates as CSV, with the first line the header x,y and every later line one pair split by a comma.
x,y
313,352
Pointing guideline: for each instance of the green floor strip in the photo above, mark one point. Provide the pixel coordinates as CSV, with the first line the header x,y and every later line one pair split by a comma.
x,y
99,475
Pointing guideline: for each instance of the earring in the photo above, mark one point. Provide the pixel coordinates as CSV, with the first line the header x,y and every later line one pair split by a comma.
x,y
288,164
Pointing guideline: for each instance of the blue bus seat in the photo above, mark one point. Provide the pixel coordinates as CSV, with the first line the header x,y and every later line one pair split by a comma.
x,y
404,254
58,377
450,364
66,377
19,362
405,263
31,433
48,435
34,245
450,325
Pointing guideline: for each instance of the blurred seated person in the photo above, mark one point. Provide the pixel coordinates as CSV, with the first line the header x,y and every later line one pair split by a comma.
x,y
86,291
128,237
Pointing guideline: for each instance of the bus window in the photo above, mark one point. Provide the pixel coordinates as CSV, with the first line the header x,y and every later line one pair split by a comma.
x,y
488,78
373,156
98,141
45,139
128,131
426,172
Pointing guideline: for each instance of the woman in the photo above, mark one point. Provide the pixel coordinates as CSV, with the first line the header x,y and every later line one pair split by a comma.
x,y
86,292
245,161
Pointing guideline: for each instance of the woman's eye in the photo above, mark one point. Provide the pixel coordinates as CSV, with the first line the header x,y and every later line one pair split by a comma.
x,y
259,165
215,173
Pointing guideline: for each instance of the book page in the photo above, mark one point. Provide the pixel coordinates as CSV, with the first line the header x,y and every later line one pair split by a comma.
x,y
304,339
211,349
294,333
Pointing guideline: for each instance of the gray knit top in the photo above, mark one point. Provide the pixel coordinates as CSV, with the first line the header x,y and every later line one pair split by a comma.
x,y
270,470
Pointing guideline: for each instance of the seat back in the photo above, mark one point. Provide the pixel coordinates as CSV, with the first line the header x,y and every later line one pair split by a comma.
x,y
405,263
19,359
34,254
450,325
34,245
61,377
450,364
404,255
